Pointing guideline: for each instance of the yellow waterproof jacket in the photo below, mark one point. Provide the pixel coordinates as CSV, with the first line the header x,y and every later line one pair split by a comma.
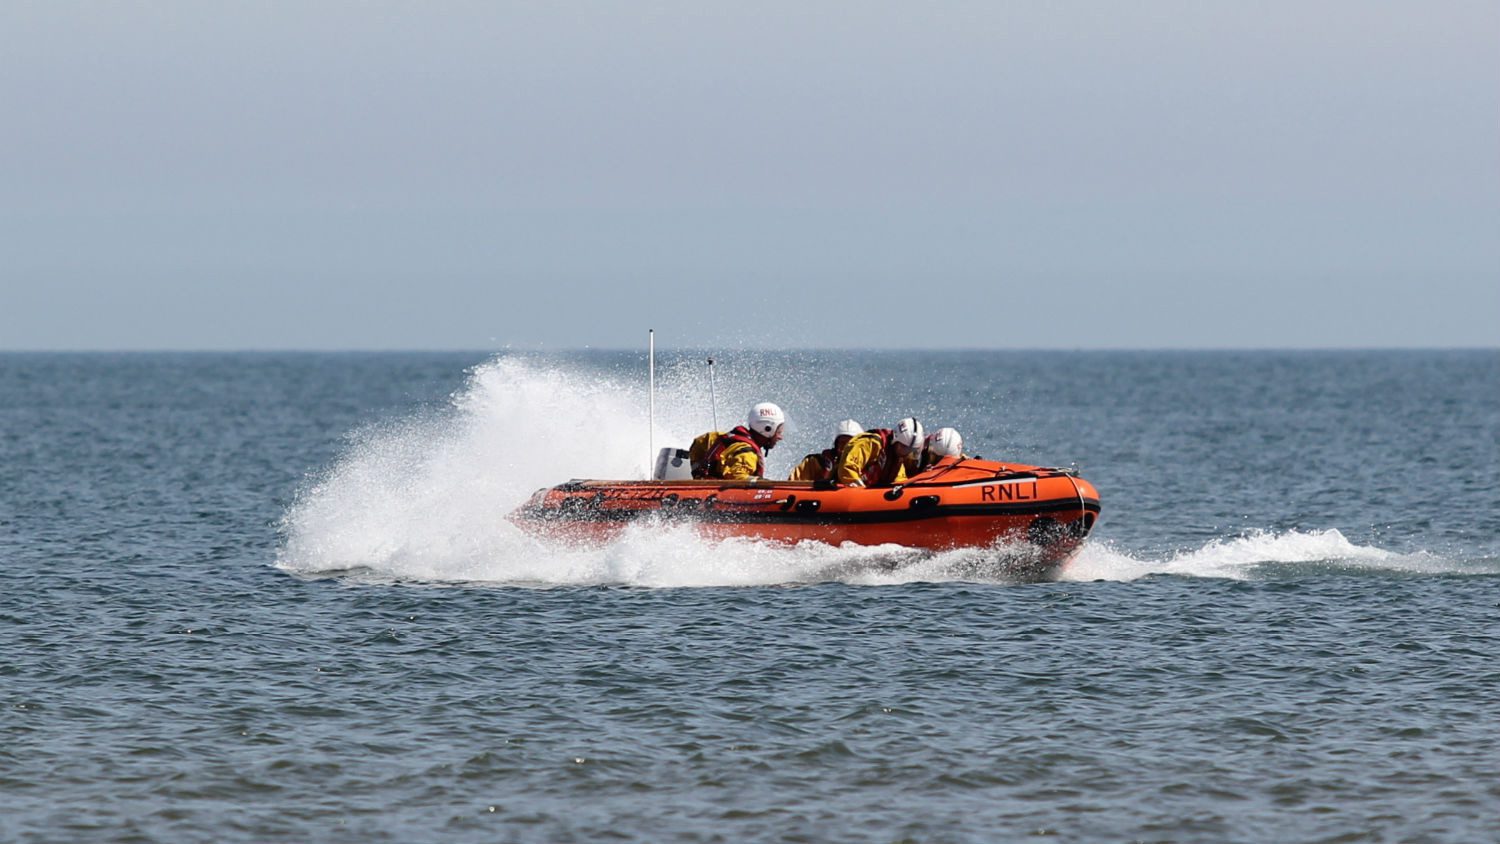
x,y
815,467
725,456
865,461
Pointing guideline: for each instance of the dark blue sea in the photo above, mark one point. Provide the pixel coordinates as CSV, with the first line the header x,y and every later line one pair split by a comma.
x,y
255,597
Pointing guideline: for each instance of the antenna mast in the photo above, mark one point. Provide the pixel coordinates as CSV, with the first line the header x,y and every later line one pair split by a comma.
x,y
713,400
651,389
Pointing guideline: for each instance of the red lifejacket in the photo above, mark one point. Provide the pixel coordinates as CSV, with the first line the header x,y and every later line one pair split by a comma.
x,y
740,434
884,472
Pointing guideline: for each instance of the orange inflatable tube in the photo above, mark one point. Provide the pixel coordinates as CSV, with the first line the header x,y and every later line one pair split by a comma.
x,y
958,503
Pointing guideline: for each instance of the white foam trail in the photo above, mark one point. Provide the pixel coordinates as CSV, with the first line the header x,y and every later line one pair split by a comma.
x,y
1241,558
425,499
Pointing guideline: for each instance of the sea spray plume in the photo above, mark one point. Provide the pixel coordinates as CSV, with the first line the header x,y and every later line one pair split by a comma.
x,y
426,497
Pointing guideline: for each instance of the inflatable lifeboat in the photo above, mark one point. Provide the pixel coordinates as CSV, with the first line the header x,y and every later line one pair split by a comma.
x,y
1034,517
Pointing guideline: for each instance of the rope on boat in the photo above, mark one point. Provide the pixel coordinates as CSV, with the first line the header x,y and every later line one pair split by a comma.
x,y
1083,510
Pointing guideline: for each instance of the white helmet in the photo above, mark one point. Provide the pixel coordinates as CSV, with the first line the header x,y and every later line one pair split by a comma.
x,y
765,418
848,428
945,442
908,433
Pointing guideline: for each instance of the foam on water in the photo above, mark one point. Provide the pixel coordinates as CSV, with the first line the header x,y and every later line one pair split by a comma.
x,y
426,498
1258,554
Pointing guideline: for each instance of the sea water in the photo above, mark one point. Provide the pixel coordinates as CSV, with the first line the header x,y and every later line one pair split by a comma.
x,y
249,597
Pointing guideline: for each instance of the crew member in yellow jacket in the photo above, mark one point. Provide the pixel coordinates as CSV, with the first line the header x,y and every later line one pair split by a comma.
x,y
820,465
879,456
739,454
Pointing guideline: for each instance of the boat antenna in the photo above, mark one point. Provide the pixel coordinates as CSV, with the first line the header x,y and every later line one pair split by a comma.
x,y
713,400
651,391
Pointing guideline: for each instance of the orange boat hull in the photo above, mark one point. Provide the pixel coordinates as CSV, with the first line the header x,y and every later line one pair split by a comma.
x,y
1036,513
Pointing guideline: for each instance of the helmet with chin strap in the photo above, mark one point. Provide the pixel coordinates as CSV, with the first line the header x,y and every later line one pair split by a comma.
x,y
765,418
909,433
848,428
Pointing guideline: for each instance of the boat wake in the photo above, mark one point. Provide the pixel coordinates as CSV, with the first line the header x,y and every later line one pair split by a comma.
x,y
1266,555
425,500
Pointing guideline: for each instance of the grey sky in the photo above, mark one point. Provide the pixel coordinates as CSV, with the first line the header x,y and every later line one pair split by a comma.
x,y
561,174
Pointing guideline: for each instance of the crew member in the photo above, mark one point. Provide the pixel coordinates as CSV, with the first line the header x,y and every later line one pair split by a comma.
x,y
944,442
739,454
819,465
880,456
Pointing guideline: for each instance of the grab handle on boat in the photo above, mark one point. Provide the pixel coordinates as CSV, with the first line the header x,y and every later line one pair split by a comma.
x,y
809,506
924,502
894,493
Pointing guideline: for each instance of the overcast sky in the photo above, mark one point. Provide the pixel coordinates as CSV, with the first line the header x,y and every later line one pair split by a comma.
x,y
375,175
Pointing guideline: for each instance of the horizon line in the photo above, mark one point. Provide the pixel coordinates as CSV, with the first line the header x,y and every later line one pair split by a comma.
x,y
357,350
